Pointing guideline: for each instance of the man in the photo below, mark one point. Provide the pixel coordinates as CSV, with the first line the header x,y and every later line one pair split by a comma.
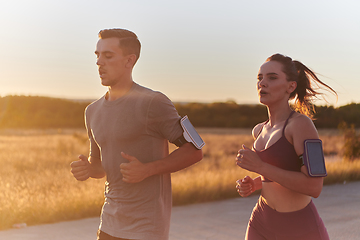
x,y
129,129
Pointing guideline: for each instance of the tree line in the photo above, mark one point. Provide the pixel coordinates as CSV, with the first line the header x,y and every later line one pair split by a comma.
x,y
40,112
44,112
233,115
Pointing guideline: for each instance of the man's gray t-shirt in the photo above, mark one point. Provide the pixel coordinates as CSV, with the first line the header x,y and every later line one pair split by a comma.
x,y
139,124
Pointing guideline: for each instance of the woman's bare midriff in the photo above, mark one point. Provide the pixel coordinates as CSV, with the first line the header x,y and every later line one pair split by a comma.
x,y
282,199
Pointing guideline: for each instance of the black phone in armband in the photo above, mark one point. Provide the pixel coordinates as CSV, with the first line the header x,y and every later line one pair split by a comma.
x,y
314,158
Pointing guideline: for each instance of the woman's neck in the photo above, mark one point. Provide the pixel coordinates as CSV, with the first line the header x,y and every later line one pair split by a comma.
x,y
278,114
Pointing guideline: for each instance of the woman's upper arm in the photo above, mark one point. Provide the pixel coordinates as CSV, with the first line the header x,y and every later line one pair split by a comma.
x,y
302,128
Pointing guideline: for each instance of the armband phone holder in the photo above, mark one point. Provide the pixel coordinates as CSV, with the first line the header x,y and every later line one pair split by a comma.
x,y
189,135
314,158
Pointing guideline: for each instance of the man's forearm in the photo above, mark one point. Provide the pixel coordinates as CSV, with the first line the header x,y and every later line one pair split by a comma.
x,y
96,169
181,158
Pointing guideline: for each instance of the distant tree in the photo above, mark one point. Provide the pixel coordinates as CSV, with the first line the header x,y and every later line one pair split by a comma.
x,y
40,112
223,114
46,112
351,149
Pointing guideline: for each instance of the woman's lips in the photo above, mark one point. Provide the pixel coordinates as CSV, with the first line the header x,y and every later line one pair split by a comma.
x,y
262,92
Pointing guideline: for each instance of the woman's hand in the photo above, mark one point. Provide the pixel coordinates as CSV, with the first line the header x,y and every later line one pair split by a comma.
x,y
245,186
249,160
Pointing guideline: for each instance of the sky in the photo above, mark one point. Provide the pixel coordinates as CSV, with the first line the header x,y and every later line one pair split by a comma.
x,y
192,50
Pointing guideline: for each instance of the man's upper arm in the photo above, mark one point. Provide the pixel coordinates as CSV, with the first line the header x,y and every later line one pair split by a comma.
x,y
164,120
94,148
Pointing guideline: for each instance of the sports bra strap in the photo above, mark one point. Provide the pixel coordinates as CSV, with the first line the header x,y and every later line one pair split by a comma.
x,y
262,128
286,122
283,127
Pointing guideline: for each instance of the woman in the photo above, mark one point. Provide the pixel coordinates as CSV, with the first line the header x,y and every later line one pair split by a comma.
x,y
285,209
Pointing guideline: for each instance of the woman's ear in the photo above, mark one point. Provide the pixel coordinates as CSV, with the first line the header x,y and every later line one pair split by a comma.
x,y
291,87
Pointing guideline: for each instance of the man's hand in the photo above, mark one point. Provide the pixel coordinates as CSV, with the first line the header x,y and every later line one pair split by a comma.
x,y
134,171
81,168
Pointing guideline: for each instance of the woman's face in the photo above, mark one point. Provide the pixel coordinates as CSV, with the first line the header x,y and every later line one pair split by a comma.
x,y
272,85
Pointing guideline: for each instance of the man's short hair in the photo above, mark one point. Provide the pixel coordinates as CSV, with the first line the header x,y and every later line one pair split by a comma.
x,y
128,41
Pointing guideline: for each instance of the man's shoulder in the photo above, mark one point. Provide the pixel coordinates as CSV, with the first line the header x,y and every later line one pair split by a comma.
x,y
149,93
95,104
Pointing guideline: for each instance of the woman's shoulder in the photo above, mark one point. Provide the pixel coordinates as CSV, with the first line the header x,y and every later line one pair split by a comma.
x,y
301,125
300,119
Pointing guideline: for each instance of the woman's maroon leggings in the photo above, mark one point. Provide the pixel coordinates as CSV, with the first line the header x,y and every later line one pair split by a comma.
x,y
268,224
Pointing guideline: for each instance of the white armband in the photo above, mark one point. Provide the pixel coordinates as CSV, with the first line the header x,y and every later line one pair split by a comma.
x,y
189,135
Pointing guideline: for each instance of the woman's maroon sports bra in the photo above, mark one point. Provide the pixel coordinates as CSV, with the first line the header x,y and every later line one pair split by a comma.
x,y
281,154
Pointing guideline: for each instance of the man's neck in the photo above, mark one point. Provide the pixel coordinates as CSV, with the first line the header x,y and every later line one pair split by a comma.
x,y
119,90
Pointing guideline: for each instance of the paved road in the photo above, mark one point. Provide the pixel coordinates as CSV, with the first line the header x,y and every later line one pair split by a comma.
x,y
338,205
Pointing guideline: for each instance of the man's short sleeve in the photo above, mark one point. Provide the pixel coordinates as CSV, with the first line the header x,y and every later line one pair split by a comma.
x,y
94,148
163,118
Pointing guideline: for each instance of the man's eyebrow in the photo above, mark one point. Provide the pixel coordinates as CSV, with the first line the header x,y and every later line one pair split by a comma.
x,y
272,74
104,52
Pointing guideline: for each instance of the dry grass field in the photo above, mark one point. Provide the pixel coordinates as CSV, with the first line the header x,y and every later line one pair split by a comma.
x,y
36,185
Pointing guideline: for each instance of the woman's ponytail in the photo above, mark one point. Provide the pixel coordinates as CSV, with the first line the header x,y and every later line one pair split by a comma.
x,y
304,93
305,78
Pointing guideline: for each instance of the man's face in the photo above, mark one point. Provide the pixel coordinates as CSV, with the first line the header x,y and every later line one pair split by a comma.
x,y
111,61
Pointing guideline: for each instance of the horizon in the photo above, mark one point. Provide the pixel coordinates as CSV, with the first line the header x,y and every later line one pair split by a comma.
x,y
174,102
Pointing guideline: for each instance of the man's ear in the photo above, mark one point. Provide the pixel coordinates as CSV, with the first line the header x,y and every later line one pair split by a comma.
x,y
291,87
131,60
